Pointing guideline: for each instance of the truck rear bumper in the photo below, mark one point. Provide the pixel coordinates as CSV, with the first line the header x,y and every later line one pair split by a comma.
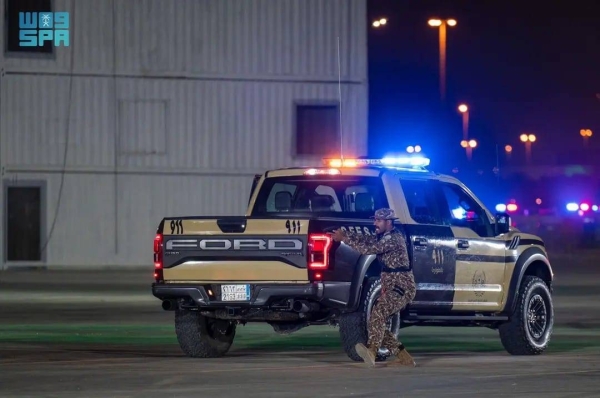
x,y
330,294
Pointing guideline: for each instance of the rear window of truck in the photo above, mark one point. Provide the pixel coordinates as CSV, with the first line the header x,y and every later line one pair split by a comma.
x,y
335,196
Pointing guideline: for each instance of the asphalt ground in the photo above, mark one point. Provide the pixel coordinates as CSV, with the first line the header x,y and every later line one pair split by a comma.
x,y
102,334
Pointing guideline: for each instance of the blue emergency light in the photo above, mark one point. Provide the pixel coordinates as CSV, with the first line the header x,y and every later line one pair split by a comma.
x,y
405,161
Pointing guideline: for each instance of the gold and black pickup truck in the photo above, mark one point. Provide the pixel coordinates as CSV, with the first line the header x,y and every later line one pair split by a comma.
x,y
277,264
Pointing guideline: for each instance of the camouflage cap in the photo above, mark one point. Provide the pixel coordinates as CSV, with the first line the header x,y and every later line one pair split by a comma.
x,y
385,214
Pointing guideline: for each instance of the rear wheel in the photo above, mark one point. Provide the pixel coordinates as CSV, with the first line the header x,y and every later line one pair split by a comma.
x,y
530,327
202,337
353,326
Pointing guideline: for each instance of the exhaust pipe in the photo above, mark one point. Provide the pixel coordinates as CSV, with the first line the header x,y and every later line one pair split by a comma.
x,y
304,306
169,305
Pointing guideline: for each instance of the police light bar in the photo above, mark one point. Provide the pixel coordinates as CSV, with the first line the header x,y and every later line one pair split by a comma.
x,y
314,172
408,161
415,161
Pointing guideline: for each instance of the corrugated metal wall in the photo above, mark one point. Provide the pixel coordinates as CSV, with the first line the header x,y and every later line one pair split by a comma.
x,y
244,39
162,124
182,121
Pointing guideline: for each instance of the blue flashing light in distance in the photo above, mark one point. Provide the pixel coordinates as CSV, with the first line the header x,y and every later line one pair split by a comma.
x,y
572,206
595,207
501,207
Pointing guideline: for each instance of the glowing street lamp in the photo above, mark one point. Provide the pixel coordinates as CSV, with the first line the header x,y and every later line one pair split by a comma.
x,y
380,22
528,139
586,134
441,24
464,109
508,150
469,145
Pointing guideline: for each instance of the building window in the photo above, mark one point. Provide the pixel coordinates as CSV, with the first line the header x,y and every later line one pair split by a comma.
x,y
11,23
317,129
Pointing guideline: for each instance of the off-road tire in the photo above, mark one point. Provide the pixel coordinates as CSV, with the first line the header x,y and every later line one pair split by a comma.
x,y
353,326
518,335
202,337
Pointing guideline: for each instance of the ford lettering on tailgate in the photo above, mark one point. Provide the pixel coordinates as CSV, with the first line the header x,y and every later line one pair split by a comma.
x,y
190,248
234,244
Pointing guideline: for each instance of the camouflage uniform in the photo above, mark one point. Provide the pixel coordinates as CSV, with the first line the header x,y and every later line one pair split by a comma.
x,y
397,286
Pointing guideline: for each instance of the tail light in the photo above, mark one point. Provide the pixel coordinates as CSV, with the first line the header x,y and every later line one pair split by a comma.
x,y
158,258
318,251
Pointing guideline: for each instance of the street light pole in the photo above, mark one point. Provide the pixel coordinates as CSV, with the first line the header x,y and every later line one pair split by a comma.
x,y
508,150
442,24
528,139
586,134
442,40
464,109
469,145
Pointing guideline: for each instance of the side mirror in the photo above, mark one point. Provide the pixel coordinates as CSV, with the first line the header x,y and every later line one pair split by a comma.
x,y
502,223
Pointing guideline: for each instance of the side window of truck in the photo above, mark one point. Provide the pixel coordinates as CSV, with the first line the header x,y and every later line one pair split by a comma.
x,y
421,200
461,210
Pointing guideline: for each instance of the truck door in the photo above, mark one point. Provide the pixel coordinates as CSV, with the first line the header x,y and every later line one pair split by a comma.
x,y
481,257
430,245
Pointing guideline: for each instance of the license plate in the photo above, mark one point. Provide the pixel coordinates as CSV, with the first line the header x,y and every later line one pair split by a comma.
x,y
235,292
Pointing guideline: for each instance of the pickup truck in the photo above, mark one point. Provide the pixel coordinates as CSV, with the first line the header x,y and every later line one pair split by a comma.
x,y
278,264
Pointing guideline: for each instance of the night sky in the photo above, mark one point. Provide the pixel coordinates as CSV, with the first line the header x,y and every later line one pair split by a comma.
x,y
521,66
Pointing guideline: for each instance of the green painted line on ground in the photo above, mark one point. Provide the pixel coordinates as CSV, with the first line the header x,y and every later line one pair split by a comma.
x,y
262,337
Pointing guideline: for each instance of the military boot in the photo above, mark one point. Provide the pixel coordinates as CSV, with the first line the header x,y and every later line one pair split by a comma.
x,y
402,357
367,354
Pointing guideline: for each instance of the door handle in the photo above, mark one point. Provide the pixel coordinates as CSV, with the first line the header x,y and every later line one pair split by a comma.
x,y
420,242
463,244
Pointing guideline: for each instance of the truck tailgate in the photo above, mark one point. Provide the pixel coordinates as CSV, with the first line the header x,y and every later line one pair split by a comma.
x,y
234,249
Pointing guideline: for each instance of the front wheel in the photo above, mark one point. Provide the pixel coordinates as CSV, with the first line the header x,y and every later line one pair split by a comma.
x,y
353,326
203,337
530,327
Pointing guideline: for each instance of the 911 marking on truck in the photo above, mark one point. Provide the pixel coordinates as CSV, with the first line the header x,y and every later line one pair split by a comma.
x,y
235,244
293,226
176,227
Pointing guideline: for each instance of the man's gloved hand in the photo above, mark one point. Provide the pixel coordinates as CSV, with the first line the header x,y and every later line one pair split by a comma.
x,y
338,235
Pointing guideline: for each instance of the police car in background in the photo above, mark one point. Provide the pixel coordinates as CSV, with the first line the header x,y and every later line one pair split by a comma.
x,y
277,264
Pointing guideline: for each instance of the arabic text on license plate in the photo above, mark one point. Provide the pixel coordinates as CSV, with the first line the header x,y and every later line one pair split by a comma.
x,y
235,292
